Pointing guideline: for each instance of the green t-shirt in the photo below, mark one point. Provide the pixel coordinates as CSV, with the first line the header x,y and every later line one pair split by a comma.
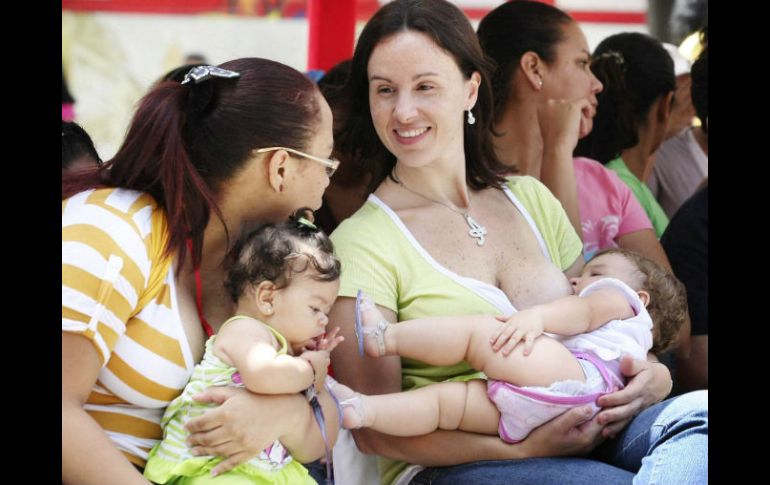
x,y
643,195
380,256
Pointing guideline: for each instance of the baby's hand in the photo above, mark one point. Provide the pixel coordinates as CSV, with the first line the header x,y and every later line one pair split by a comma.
x,y
320,361
520,326
330,340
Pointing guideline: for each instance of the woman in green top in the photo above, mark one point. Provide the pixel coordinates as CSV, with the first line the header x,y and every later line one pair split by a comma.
x,y
633,112
443,234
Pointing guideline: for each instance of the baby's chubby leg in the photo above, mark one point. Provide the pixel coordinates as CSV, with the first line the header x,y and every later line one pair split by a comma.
x,y
447,405
448,340
433,340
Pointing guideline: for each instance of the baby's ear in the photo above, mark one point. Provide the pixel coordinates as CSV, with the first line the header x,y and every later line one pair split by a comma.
x,y
644,296
263,295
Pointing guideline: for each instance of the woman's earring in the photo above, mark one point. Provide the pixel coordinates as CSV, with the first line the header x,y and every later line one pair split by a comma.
x,y
540,83
471,118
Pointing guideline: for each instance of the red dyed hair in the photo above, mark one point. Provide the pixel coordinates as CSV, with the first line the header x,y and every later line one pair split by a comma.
x,y
185,141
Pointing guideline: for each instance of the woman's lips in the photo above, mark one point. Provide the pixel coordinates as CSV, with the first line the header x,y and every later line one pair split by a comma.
x,y
412,136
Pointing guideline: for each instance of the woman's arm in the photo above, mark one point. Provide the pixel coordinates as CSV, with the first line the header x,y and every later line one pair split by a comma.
x,y
88,454
383,375
244,424
559,126
645,243
693,373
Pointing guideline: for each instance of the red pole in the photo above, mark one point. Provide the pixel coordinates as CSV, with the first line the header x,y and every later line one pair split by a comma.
x,y
331,34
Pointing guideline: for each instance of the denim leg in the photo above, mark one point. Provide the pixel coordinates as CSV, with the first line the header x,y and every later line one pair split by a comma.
x,y
666,444
317,470
531,471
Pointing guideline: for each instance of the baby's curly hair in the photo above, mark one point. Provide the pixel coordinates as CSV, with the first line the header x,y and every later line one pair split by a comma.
x,y
668,299
278,252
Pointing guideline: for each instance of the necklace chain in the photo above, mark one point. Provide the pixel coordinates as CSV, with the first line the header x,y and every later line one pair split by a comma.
x,y
477,231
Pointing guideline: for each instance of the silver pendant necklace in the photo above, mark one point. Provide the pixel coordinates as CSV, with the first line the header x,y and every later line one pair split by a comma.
x,y
477,231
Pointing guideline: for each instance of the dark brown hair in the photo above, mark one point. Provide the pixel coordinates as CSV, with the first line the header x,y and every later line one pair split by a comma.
x,y
332,86
635,71
185,141
513,29
278,252
76,144
668,298
450,29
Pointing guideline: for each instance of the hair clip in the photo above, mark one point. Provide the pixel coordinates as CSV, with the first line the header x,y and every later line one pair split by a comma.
x,y
613,55
202,73
304,222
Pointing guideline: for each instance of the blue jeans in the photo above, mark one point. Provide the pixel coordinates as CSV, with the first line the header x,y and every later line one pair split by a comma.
x,y
317,470
665,444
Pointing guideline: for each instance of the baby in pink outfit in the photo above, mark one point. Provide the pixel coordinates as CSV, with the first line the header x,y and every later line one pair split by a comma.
x,y
623,304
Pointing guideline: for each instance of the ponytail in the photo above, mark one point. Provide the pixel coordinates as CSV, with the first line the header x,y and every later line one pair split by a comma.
x,y
614,125
187,141
153,159
636,72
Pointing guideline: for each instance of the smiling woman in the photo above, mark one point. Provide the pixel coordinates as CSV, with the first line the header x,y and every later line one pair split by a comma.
x,y
417,71
410,107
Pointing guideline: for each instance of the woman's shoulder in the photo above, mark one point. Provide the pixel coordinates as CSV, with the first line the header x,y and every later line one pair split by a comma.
x,y
117,200
591,172
524,184
109,206
114,219
367,222
529,190
373,233
588,164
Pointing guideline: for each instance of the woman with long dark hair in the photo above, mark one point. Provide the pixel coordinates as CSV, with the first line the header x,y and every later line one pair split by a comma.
x,y
444,233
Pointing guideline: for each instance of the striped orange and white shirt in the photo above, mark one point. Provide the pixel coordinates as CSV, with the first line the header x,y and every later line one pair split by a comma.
x,y
118,291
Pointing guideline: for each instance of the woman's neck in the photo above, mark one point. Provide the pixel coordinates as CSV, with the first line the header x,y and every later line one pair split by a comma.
x,y
442,182
215,243
639,161
520,144
217,305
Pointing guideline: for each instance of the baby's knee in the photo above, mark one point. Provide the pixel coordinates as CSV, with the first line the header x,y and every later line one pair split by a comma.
x,y
453,401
